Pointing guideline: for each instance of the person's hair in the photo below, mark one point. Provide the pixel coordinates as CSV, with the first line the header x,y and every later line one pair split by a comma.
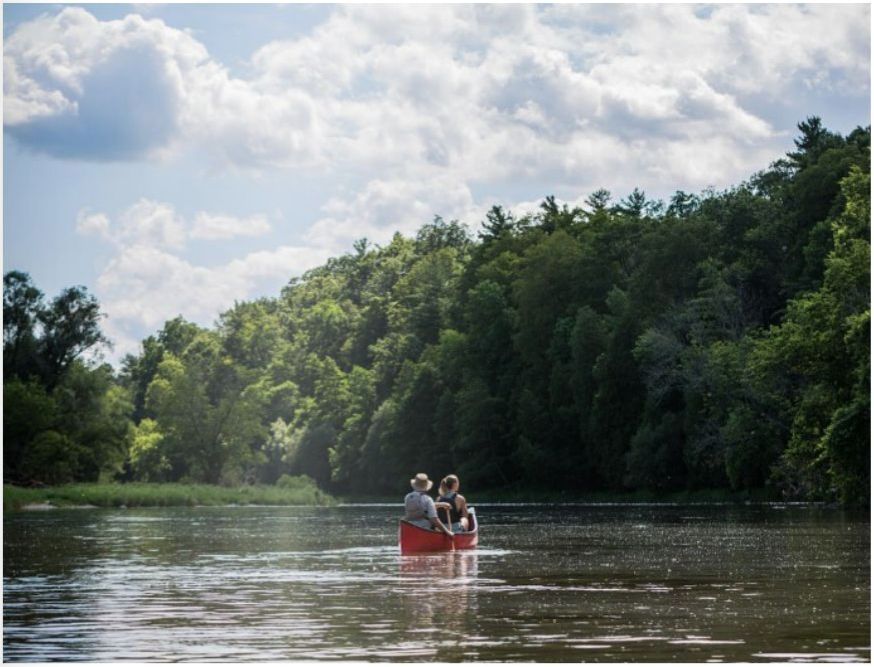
x,y
451,481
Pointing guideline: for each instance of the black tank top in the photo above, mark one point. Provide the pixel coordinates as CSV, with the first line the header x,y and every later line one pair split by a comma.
x,y
454,514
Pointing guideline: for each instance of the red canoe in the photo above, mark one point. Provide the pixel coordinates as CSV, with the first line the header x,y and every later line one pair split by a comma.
x,y
413,539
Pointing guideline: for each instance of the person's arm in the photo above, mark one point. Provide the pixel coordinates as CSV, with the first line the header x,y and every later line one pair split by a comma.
x,y
463,513
431,513
439,524
462,506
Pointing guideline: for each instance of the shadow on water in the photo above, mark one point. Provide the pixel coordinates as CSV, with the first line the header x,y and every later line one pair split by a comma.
x,y
549,583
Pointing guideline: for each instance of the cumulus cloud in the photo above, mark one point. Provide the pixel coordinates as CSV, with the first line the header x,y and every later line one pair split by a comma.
x,y
155,224
144,286
78,87
130,109
150,285
486,92
220,226
89,223
384,207
135,88
149,280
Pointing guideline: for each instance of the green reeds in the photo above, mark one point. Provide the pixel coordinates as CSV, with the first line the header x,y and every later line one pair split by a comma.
x,y
300,491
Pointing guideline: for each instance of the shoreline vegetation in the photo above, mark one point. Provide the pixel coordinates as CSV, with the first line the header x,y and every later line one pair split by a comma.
x,y
139,494
715,496
305,493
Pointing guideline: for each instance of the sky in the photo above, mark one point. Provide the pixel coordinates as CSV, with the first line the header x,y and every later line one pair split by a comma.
x,y
174,159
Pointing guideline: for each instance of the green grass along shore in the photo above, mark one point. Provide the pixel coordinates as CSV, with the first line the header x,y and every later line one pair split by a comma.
x,y
297,491
303,491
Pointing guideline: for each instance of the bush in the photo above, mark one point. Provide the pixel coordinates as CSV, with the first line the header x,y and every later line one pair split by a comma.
x,y
296,482
51,458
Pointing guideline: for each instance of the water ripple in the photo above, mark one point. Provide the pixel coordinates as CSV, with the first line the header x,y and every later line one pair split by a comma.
x,y
607,584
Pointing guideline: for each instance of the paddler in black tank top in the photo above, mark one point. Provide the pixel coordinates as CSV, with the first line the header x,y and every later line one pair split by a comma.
x,y
455,502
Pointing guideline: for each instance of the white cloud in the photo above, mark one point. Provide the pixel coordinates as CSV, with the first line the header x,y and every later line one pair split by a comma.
x,y
149,285
152,224
26,100
149,280
220,226
88,223
486,92
280,263
144,286
78,87
384,207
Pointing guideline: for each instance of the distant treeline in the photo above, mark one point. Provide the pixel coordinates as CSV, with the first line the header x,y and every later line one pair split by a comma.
x,y
715,341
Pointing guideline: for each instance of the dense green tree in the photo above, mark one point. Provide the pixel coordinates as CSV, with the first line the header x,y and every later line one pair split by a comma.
x,y
598,201
148,455
43,340
498,222
816,363
65,418
208,416
94,412
22,305
28,410
70,326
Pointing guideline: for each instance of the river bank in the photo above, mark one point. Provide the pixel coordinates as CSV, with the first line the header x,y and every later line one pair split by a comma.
x,y
305,492
641,496
297,491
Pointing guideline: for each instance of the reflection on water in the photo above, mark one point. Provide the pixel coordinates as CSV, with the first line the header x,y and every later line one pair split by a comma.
x,y
437,594
549,583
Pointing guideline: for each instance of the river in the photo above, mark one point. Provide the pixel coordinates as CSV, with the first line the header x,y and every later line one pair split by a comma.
x,y
549,583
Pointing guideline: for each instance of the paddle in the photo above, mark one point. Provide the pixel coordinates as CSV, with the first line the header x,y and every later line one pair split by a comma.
x,y
449,525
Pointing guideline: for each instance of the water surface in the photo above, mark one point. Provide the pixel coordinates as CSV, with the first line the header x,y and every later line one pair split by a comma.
x,y
548,583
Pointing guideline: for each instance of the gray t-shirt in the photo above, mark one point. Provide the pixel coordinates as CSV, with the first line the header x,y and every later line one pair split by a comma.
x,y
419,505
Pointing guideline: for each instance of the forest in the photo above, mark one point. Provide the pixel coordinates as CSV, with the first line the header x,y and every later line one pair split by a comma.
x,y
718,340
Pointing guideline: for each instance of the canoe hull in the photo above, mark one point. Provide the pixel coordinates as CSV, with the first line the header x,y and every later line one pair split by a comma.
x,y
413,539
